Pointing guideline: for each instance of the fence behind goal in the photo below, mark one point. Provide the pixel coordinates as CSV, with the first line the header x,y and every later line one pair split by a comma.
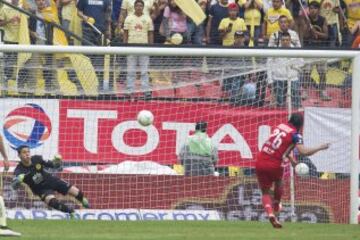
x,y
84,106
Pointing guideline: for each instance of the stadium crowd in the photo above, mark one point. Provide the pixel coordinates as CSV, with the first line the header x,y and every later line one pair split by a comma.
x,y
313,23
229,23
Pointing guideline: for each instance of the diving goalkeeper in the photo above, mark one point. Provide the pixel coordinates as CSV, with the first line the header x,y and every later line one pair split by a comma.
x,y
32,170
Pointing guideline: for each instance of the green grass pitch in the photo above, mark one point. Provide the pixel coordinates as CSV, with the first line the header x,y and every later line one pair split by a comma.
x,y
180,230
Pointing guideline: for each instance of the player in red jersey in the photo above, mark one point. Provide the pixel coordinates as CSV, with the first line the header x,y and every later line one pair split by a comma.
x,y
269,165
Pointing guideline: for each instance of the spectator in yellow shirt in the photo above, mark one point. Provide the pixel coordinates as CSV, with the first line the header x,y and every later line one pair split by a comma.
x,y
127,8
253,18
228,26
272,16
353,12
138,29
10,22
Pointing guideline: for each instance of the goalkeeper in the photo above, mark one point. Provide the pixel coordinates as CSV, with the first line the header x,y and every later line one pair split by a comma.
x,y
32,170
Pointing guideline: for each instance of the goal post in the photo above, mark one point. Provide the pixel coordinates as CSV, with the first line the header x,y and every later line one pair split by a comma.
x,y
204,60
355,110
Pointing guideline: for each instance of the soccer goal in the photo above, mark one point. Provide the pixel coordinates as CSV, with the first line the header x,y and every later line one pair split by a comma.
x,y
82,102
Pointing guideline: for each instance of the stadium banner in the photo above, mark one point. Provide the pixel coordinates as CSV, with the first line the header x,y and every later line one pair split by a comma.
x,y
107,132
116,215
233,198
329,125
31,122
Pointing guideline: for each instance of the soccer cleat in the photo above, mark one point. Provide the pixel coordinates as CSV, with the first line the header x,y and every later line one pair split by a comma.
x,y
7,232
274,222
277,206
85,203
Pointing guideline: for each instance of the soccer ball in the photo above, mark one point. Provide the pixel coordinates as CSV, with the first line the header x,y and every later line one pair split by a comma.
x,y
145,118
176,39
302,169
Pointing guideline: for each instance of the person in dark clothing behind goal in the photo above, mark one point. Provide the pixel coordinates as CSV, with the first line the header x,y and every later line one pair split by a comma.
x,y
32,170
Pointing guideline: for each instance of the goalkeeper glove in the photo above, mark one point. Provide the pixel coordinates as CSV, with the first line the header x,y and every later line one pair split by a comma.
x,y
17,181
57,161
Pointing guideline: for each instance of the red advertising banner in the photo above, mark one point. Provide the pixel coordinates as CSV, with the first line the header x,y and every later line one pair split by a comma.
x,y
107,131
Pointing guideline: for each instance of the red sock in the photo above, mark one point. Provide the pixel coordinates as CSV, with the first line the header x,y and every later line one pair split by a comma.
x,y
278,192
267,204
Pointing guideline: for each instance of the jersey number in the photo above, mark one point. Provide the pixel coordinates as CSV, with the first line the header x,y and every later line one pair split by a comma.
x,y
277,141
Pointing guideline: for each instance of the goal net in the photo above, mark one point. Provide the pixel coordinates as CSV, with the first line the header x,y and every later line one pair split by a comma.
x,y
84,106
